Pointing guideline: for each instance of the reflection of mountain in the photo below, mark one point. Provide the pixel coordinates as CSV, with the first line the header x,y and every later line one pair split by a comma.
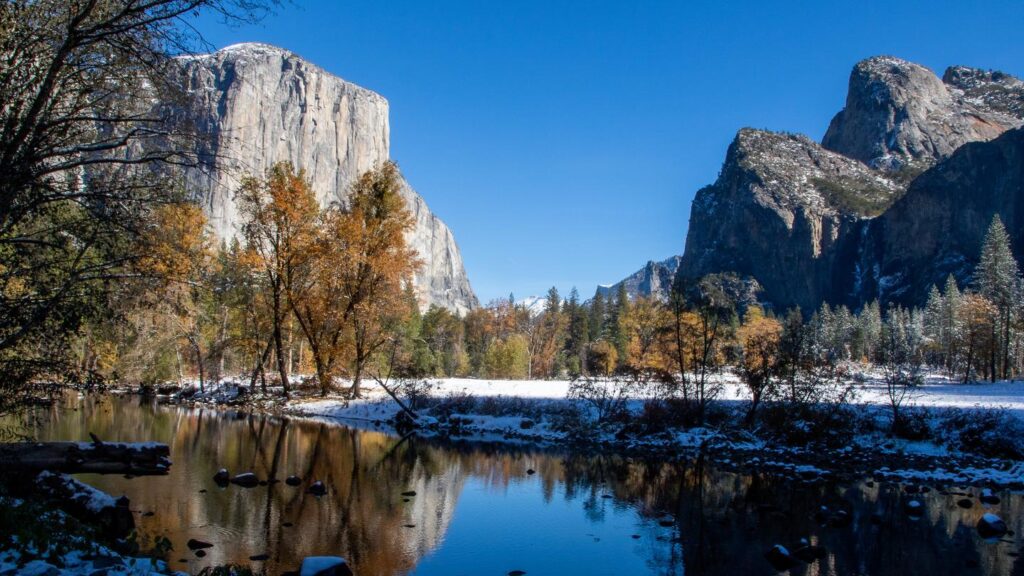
x,y
432,509
723,521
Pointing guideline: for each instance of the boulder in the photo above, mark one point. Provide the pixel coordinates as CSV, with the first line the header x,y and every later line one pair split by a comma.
x,y
317,488
194,544
780,558
991,526
245,480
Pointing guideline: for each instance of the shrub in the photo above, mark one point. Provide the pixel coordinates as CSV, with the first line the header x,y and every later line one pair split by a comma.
x,y
914,424
991,432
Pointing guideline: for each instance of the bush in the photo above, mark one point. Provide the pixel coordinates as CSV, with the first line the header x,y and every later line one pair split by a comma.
x,y
992,432
810,424
913,424
455,403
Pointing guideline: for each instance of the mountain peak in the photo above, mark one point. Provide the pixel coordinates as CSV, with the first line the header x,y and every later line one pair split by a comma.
x,y
900,116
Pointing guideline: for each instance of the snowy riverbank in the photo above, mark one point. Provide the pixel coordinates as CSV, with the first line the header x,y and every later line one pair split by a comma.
x,y
959,423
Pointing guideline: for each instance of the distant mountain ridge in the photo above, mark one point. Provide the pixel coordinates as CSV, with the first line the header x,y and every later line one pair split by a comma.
x,y
912,168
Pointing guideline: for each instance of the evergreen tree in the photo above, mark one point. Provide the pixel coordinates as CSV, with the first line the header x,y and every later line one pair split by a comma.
x,y
997,276
597,316
578,333
616,330
952,327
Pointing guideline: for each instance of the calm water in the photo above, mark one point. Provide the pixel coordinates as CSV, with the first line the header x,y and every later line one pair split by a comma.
x,y
477,511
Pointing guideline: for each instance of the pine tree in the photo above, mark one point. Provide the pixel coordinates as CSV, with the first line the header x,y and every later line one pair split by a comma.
x,y
617,330
597,316
951,325
996,276
578,333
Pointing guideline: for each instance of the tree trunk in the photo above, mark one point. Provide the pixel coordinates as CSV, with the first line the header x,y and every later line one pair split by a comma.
x,y
357,378
282,370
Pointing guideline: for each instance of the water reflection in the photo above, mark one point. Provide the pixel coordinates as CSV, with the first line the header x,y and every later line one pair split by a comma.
x,y
478,510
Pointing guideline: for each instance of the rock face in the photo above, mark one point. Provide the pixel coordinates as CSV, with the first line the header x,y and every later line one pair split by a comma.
x,y
786,212
937,228
259,105
654,279
899,193
899,116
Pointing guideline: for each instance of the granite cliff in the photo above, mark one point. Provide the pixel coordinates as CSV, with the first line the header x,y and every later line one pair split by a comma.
x,y
258,104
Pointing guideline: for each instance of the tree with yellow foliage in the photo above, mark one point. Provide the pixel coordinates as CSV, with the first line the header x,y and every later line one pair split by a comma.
x,y
177,256
977,339
759,339
279,214
378,263
646,324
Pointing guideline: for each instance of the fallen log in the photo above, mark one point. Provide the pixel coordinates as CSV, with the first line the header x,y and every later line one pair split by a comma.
x,y
87,503
96,457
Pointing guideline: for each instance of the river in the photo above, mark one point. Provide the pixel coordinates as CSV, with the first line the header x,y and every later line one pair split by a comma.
x,y
483,509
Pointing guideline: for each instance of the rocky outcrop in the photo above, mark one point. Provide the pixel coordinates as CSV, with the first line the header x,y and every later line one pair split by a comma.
x,y
938,227
901,117
259,104
898,195
653,280
786,212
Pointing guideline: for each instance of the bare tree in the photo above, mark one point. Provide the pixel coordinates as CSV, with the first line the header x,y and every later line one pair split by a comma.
x,y
81,151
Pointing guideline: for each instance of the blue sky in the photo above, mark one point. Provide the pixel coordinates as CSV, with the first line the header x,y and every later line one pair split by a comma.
x,y
564,141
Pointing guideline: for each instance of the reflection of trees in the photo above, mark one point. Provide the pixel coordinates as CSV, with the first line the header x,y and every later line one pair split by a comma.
x,y
724,521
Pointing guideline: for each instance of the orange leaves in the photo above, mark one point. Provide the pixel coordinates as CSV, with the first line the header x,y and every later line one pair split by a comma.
x,y
176,245
759,337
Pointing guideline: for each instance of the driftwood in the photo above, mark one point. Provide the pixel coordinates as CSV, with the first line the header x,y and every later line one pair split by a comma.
x,y
138,459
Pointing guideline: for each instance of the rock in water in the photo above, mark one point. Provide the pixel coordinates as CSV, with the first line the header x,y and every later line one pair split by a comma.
x,y
222,477
194,544
913,508
991,526
780,558
987,497
317,488
324,566
245,480
260,105
293,480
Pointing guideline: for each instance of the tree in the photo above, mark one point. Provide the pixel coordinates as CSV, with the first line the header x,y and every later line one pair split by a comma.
x,y
508,358
177,255
547,337
759,338
793,353
602,358
377,263
597,317
279,215
578,334
713,308
975,316
951,329
82,162
616,330
646,328
997,277
900,356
